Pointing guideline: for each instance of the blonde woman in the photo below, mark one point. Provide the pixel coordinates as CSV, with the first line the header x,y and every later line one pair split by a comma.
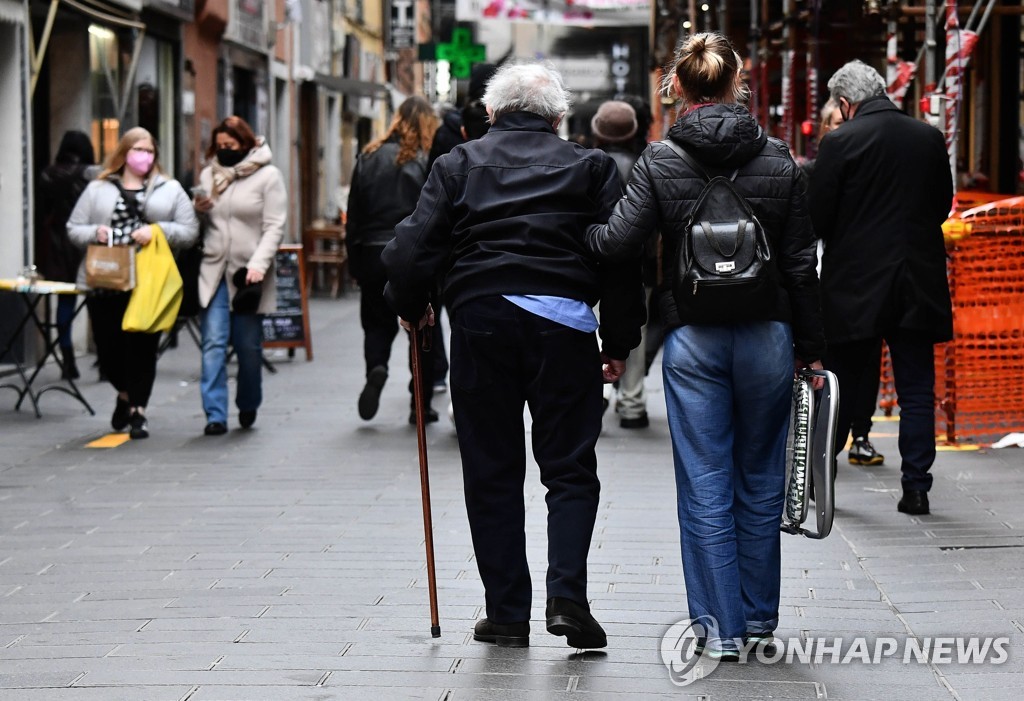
x,y
245,206
386,184
728,386
129,195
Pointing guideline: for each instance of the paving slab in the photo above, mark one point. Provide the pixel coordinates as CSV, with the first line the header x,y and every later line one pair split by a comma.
x,y
286,562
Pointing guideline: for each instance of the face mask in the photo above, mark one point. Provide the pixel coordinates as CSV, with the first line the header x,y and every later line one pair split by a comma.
x,y
229,157
139,161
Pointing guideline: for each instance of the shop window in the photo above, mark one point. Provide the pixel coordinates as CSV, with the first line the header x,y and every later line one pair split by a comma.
x,y
105,70
154,91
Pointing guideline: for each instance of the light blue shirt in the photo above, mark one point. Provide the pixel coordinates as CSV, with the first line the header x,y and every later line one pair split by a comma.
x,y
567,312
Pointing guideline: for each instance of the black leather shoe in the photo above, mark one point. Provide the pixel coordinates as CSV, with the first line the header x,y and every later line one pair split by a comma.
x,y
247,418
566,617
122,415
215,428
638,422
914,502
429,417
68,367
369,398
502,634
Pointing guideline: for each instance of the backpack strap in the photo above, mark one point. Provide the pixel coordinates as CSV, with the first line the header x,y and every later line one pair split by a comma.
x,y
693,162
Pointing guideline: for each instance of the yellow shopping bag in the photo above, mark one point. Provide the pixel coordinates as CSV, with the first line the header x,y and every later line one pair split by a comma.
x,y
155,301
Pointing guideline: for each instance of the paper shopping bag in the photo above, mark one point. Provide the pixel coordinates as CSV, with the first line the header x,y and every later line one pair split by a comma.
x,y
110,267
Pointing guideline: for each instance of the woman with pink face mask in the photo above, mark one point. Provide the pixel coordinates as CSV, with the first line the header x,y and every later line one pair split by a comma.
x,y
119,207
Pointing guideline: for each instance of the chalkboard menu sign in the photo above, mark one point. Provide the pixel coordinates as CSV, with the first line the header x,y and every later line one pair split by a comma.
x,y
288,327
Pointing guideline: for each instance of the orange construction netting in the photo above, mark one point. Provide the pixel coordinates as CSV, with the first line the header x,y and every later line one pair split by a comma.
x,y
979,375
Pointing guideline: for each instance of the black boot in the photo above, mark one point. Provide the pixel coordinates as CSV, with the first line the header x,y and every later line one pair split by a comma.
x,y
68,367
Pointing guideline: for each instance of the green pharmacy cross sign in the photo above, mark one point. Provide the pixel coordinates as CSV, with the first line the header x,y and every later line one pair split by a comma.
x,y
460,52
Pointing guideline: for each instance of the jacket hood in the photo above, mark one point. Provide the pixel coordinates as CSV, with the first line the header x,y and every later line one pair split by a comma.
x,y
61,174
719,134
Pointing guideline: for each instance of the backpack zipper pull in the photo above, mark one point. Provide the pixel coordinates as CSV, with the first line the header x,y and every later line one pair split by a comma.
x,y
695,288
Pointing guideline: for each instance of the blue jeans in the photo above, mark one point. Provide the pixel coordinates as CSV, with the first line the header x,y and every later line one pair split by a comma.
x,y
728,391
245,333
65,314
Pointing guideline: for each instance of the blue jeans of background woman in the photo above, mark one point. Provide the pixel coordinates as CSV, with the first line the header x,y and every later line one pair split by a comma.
x,y
244,332
66,305
728,391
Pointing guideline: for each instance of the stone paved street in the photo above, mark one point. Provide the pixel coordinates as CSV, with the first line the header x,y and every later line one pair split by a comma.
x,y
286,562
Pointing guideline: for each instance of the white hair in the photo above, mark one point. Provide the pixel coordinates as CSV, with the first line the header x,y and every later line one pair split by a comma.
x,y
527,87
856,82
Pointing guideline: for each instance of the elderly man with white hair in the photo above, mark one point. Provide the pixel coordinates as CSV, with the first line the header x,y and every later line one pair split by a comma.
x,y
502,219
879,195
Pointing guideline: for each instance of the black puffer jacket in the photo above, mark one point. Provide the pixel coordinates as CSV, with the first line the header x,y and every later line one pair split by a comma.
x,y
663,189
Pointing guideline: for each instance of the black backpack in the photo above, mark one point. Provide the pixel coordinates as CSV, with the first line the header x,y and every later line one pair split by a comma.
x,y
723,270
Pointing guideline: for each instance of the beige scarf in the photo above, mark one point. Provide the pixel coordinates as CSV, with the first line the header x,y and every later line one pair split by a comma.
x,y
253,161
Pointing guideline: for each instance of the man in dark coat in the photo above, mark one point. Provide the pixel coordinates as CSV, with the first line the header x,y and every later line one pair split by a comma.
x,y
503,217
881,190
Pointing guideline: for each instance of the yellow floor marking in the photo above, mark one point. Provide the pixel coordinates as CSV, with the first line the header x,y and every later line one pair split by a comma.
x,y
958,447
111,440
885,418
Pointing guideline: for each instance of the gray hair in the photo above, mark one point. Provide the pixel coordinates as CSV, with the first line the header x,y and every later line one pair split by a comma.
x,y
527,87
856,82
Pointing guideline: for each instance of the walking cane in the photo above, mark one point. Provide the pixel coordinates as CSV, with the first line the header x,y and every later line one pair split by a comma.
x,y
421,439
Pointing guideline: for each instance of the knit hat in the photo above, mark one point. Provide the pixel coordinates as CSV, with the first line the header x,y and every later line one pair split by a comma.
x,y
614,122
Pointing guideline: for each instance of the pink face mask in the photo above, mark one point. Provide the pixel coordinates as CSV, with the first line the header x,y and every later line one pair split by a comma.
x,y
139,161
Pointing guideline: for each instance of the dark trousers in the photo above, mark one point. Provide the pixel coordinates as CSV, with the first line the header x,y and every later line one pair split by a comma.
x,y
867,398
379,321
127,359
913,369
502,358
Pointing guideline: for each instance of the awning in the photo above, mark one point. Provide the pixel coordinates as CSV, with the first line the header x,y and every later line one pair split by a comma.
x,y
12,12
351,86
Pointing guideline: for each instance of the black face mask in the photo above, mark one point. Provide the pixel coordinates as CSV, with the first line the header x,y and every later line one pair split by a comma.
x,y
229,157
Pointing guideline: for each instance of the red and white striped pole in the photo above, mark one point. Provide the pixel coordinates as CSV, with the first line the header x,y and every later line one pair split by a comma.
x,y
953,83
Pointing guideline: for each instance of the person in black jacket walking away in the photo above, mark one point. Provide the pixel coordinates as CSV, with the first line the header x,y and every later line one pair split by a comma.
x,y
60,186
614,129
728,386
881,190
503,216
386,183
